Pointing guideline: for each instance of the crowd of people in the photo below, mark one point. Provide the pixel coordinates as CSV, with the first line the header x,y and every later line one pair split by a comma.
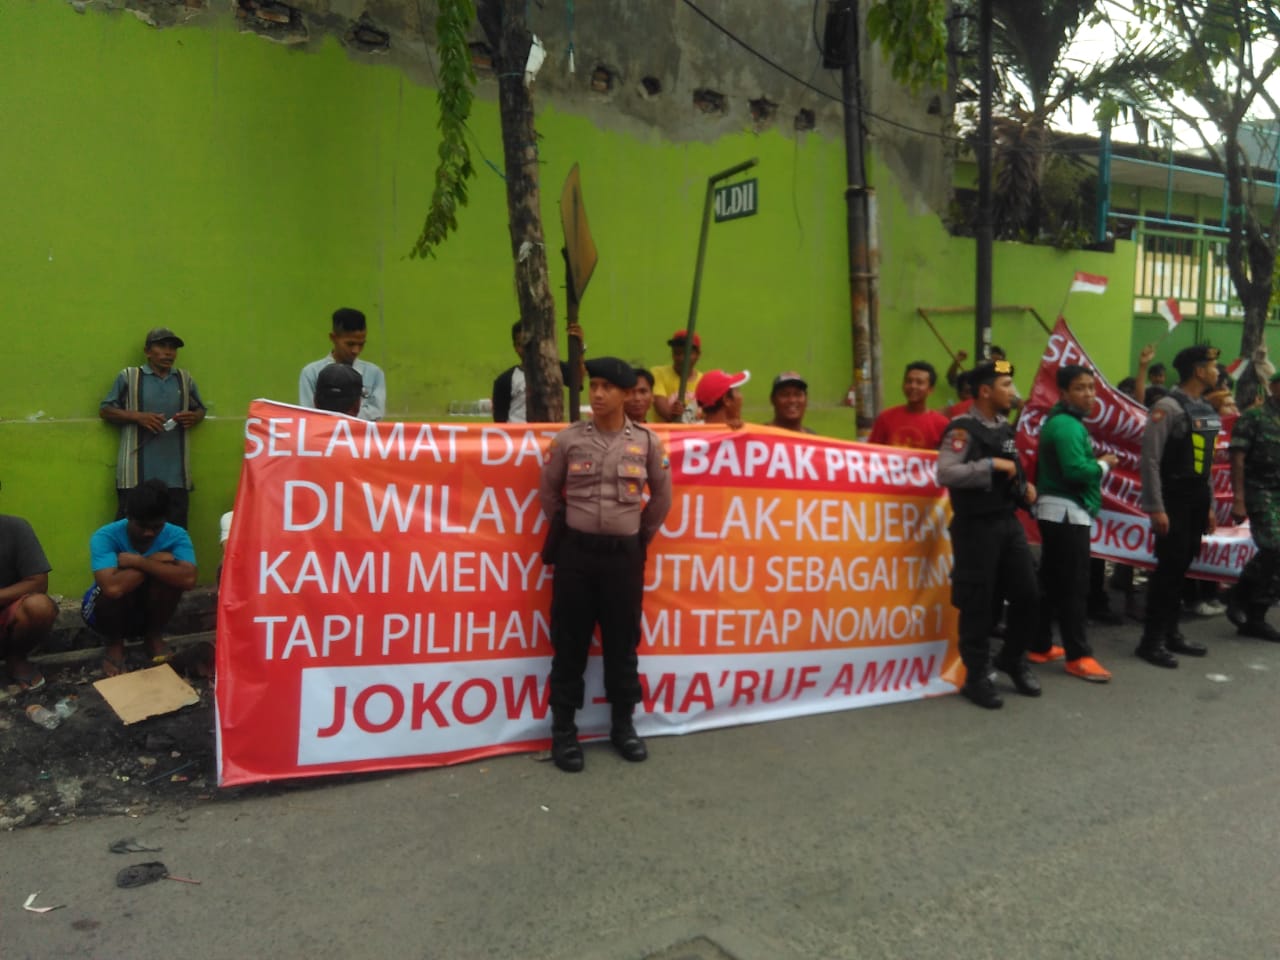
x,y
598,470
144,561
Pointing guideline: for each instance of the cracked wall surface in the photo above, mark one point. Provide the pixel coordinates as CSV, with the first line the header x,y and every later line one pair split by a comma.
x,y
663,60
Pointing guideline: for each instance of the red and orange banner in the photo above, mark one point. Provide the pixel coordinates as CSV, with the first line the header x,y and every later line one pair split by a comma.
x,y
1122,531
383,603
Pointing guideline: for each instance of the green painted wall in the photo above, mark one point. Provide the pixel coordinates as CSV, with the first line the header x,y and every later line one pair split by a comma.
x,y
922,265
239,191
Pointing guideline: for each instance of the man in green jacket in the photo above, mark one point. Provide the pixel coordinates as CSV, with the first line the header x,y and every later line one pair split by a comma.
x,y
1069,481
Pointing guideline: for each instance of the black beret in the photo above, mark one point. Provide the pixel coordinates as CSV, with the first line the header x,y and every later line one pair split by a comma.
x,y
617,372
987,371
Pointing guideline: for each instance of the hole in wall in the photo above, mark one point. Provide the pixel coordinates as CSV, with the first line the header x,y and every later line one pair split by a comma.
x,y
710,101
602,78
365,35
763,110
805,120
275,21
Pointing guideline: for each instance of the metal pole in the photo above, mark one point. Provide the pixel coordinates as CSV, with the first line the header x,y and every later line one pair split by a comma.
x,y
986,230
856,203
575,345
702,256
1104,185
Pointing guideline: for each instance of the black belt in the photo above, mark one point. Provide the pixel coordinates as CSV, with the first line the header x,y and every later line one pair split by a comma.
x,y
602,542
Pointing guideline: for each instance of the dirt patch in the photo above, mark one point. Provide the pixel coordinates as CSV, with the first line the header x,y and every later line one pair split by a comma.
x,y
92,764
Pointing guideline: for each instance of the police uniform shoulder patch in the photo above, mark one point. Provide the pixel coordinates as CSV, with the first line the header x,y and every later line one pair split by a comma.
x,y
959,439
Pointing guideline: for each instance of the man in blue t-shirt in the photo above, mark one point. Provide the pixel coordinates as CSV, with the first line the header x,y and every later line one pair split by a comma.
x,y
141,567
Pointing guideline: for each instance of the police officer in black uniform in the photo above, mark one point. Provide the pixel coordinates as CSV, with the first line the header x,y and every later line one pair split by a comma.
x,y
593,480
1177,493
978,462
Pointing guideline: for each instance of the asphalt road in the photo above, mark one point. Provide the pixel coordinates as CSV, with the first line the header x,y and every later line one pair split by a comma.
x,y
1135,820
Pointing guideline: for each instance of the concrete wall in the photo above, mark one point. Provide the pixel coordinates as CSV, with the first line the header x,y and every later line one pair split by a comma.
x,y
239,190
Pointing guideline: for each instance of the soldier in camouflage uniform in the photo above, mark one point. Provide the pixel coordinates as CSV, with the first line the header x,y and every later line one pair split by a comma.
x,y
1255,483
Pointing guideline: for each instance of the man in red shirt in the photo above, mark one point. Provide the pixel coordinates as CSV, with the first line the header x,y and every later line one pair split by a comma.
x,y
913,424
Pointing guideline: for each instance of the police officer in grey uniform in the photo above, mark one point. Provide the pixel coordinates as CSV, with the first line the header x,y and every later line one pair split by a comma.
x,y
978,462
593,480
1177,456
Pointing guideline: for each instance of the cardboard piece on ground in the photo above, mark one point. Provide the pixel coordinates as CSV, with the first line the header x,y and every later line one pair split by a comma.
x,y
146,693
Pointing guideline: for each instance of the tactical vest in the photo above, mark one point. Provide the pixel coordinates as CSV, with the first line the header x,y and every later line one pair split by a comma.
x,y
1189,459
989,442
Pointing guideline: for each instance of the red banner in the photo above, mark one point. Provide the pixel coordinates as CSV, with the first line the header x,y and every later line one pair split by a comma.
x,y
1122,530
383,603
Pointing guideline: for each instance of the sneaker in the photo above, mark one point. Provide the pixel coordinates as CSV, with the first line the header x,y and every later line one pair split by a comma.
x,y
1049,656
1209,608
1087,668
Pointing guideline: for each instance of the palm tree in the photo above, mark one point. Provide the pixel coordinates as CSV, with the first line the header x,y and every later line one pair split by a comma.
x,y
1037,84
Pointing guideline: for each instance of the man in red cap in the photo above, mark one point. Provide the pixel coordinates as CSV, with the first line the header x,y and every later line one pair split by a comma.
x,y
666,380
718,396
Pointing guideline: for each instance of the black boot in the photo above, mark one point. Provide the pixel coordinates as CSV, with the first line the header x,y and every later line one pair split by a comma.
x,y
1256,625
623,734
980,687
1019,671
1175,642
1238,606
566,752
1155,652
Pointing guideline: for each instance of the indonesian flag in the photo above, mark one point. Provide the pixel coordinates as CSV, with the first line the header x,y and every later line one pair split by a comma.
x,y
1088,283
1237,366
1169,310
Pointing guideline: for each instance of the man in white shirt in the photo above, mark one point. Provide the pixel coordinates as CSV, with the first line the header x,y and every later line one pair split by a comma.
x,y
348,339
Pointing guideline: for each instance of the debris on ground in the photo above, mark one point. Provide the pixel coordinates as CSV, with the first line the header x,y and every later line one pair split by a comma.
x,y
131,845
29,905
91,764
140,874
146,693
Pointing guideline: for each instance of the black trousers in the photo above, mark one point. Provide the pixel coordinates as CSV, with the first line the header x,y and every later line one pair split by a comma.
x,y
1188,512
991,551
598,580
1064,583
1098,598
1260,579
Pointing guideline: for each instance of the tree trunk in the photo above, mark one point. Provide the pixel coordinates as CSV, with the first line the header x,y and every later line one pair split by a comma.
x,y
503,22
1251,251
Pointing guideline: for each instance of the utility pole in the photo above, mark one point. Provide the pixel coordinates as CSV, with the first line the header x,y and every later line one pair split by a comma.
x,y
841,43
986,215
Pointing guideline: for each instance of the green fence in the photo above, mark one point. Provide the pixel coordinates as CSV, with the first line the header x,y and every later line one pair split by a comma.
x,y
1190,266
